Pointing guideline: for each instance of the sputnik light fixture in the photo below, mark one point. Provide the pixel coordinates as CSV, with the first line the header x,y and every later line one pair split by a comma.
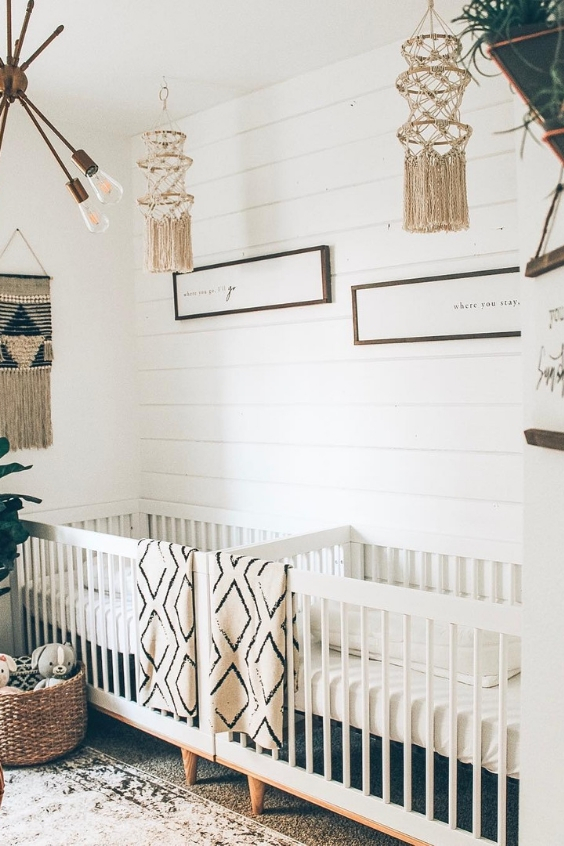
x,y
13,86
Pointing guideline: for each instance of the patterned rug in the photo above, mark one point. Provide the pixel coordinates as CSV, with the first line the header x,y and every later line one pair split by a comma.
x,y
89,798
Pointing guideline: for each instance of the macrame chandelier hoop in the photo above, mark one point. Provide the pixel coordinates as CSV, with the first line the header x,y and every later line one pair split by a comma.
x,y
166,205
434,139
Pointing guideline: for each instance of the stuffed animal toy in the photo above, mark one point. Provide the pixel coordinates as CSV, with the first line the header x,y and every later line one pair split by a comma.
x,y
7,666
55,662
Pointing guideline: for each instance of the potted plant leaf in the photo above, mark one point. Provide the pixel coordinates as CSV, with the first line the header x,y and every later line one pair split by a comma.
x,y
12,532
525,38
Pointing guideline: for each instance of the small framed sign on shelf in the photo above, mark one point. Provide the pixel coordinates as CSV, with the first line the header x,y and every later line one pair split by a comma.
x,y
544,380
481,304
295,278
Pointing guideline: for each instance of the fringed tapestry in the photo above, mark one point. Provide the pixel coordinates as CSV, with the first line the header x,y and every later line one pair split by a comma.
x,y
26,353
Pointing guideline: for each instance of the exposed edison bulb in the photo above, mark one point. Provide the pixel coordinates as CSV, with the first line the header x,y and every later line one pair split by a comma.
x,y
94,219
107,190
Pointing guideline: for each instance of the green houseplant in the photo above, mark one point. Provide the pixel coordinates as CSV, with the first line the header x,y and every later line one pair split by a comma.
x,y
12,532
525,39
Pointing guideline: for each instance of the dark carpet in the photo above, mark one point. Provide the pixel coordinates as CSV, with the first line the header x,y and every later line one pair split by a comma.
x,y
308,823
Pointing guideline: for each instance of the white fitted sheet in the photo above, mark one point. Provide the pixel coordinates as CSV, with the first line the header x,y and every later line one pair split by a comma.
x,y
464,707
95,619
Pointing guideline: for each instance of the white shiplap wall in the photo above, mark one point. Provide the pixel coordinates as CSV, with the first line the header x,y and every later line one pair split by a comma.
x,y
278,412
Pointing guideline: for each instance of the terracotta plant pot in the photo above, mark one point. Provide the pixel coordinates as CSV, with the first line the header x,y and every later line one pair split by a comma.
x,y
528,59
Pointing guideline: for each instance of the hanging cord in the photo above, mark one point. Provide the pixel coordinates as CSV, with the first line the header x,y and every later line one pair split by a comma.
x,y
165,120
28,245
556,197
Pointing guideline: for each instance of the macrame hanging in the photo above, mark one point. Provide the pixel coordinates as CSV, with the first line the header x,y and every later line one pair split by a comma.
x,y
26,354
434,138
166,205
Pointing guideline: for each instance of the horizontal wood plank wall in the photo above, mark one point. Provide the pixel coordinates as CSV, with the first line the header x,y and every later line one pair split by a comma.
x,y
279,412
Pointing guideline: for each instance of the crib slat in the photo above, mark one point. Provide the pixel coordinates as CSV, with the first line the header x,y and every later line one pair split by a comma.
x,y
502,744
113,619
91,616
385,707
407,712
477,738
290,685
101,630
325,683
430,719
306,619
67,556
365,693
345,729
453,726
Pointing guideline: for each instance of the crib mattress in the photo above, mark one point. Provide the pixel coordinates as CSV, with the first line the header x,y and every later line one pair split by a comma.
x,y
93,617
465,693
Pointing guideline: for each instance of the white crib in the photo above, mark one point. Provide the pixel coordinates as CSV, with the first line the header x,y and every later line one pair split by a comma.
x,y
76,580
397,647
390,720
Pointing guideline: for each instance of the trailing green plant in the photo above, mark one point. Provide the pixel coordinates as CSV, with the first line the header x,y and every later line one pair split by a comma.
x,y
12,532
486,21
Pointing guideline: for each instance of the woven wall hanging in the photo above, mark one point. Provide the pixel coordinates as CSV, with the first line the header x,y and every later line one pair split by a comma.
x,y
166,205
26,353
434,139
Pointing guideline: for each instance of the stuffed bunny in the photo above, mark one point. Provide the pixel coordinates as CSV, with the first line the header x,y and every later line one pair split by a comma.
x,y
55,662
7,666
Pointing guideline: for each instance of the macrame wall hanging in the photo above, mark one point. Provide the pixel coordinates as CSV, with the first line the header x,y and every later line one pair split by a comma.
x,y
26,353
166,205
435,140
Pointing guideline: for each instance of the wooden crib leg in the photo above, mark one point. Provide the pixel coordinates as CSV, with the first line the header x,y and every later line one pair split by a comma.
x,y
256,790
190,761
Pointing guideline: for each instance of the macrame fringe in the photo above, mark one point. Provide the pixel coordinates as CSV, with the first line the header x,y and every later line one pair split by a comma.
x,y
435,198
25,407
168,244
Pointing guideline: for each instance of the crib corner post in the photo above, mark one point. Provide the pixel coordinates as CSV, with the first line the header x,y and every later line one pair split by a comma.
x,y
256,790
190,761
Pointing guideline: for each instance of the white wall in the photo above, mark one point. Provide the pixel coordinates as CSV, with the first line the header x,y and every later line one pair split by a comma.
x,y
95,450
278,412
543,578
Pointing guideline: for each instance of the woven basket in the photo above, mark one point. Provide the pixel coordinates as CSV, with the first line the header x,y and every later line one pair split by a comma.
x,y
1,784
41,725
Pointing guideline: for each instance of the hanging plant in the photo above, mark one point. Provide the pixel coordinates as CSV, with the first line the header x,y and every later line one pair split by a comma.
x,y
525,39
488,21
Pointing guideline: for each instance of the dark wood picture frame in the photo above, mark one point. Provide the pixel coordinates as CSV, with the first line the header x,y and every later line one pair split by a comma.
x,y
213,284
360,338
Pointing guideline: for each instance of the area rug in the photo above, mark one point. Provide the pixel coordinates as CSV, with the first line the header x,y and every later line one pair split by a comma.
x,y
89,798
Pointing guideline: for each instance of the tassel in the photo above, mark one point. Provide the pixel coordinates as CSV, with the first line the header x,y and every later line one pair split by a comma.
x,y
435,192
168,244
25,407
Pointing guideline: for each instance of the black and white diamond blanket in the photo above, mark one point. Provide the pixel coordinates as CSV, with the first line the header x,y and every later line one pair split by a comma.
x,y
166,627
248,657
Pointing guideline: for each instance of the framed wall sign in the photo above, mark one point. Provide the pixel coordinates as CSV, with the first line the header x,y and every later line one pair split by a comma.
x,y
295,278
545,374
482,304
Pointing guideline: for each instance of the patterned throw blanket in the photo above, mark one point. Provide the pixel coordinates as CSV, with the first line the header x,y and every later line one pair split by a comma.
x,y
248,672
26,354
166,625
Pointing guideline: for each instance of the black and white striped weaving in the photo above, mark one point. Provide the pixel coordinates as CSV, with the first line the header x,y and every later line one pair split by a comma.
x,y
166,627
248,660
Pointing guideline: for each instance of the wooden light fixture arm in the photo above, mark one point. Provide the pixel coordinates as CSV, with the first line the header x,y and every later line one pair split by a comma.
x,y
20,41
42,48
27,102
9,32
23,101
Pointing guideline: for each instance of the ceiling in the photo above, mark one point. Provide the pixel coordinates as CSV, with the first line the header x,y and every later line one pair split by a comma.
x,y
106,68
